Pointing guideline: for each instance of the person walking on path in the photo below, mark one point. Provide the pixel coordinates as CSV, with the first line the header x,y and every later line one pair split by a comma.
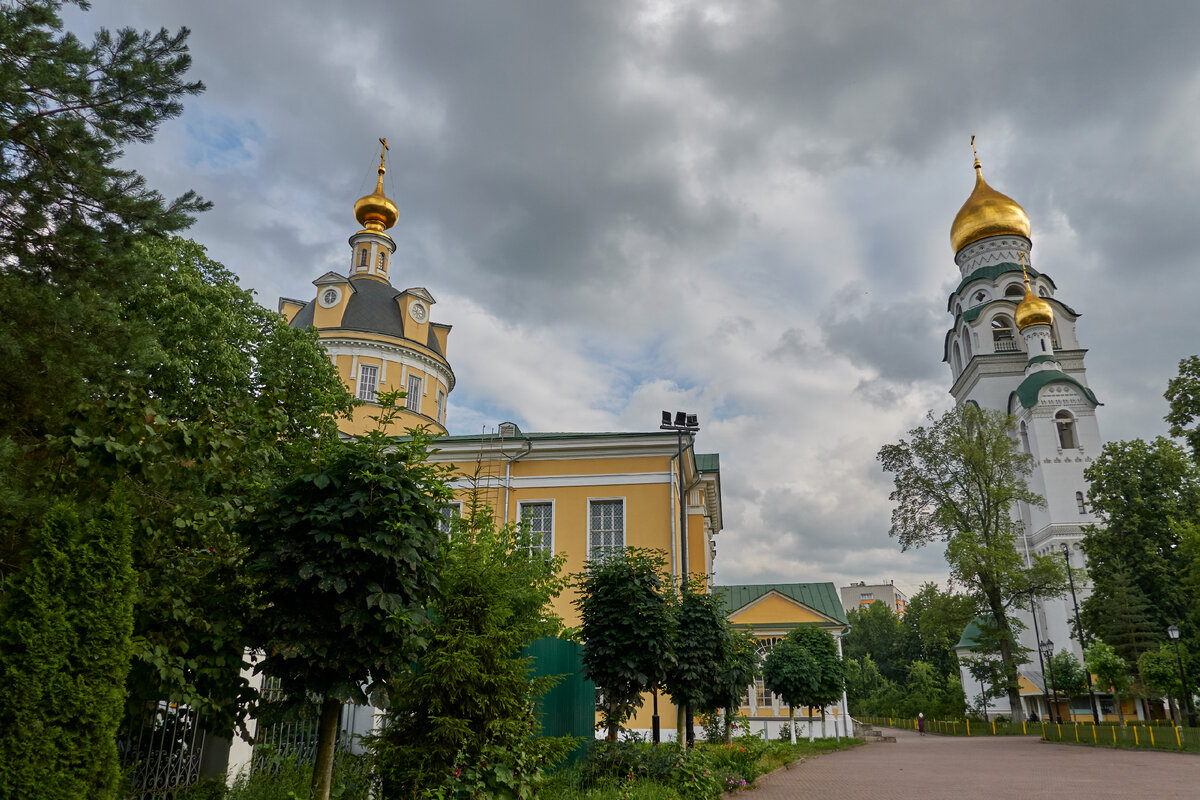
x,y
921,722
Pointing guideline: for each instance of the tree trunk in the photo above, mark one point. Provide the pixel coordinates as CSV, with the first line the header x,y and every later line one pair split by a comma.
x,y
730,719
1120,710
810,725
327,731
1011,684
613,727
824,733
792,724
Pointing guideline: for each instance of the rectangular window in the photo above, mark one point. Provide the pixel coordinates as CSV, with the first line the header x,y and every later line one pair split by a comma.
x,y
539,517
867,596
413,401
761,698
441,406
450,511
368,382
362,261
606,527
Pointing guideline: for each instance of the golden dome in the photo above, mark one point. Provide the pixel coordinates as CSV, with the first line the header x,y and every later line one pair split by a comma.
x,y
987,213
375,212
1033,310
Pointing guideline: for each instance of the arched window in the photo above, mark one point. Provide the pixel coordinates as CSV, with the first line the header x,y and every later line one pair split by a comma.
x,y
1042,292
1002,335
957,359
1066,430
958,309
1079,501
966,337
1014,290
1054,337
362,258
382,261
1024,437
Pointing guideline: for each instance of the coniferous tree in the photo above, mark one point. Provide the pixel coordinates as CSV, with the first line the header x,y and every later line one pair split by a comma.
x,y
1117,611
64,655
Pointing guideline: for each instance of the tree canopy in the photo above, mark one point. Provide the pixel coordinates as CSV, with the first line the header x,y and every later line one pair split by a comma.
x,y
627,628
960,481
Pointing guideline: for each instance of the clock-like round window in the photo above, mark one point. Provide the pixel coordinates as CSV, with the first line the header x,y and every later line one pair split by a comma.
x,y
418,311
330,297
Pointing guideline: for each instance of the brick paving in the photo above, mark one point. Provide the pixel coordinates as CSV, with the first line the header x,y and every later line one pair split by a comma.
x,y
997,768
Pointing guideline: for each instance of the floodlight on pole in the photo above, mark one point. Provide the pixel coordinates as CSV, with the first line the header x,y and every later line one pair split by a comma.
x,y
683,423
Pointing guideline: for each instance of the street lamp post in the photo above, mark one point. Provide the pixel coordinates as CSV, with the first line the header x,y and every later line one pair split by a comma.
x,y
1049,647
1173,632
1037,635
1066,550
682,423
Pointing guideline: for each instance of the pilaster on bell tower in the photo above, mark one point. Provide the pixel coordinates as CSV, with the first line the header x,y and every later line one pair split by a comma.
x,y
379,338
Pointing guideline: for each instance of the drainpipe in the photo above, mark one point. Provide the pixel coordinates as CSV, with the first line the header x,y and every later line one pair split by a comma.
x,y
508,474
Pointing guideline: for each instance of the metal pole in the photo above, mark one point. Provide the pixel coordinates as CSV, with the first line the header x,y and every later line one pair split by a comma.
x,y
1079,629
1037,637
654,719
1187,692
1055,714
683,550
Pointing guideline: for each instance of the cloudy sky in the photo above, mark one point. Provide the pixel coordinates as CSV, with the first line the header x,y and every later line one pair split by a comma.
x,y
740,209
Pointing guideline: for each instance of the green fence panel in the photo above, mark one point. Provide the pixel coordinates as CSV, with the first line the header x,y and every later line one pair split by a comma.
x,y
569,709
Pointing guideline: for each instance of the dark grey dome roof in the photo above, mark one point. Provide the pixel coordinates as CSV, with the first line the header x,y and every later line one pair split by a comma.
x,y
372,308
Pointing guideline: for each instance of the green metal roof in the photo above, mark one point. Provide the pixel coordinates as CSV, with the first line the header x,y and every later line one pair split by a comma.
x,y
970,635
820,597
994,271
1028,391
1041,359
708,462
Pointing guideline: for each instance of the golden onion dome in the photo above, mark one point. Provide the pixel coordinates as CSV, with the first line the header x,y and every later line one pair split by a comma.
x,y
1033,310
374,211
987,213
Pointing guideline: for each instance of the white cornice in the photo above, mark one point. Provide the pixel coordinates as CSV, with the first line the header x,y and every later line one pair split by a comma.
x,y
344,346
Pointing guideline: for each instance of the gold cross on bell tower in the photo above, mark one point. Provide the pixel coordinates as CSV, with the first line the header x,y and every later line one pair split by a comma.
x,y
383,155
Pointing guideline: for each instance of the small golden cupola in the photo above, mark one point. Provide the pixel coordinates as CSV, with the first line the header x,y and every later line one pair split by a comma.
x,y
375,212
986,213
1032,310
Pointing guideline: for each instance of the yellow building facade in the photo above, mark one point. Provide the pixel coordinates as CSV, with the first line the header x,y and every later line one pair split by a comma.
x,y
582,493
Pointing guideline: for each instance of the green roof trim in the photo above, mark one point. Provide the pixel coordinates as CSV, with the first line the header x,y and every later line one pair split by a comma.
x,y
554,435
708,462
994,271
820,597
1028,391
972,314
1041,359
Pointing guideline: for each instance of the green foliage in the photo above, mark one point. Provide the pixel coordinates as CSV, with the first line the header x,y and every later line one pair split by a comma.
x,y
69,213
1119,613
1148,494
1111,671
627,629
1069,678
347,558
702,646
957,481
1183,395
932,624
804,669
1160,671
738,669
469,701
64,654
875,630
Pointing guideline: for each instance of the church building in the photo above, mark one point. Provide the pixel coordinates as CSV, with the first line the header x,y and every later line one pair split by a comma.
x,y
582,493
1012,347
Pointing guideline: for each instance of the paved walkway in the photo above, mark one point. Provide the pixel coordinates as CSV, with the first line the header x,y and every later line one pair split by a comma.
x,y
993,767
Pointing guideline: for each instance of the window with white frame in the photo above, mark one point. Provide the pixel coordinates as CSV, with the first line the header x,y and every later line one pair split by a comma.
x,y
368,382
606,527
413,401
364,254
381,262
539,518
1081,502
450,511
867,596
441,406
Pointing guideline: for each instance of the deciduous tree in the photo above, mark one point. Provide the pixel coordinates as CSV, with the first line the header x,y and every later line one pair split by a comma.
x,y
959,481
347,558
627,629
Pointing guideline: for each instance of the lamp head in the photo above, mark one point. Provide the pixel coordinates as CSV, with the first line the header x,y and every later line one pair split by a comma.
x,y
1173,632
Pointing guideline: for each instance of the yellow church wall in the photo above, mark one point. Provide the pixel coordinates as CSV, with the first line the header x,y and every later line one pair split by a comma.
x,y
329,317
774,610
407,344
591,466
